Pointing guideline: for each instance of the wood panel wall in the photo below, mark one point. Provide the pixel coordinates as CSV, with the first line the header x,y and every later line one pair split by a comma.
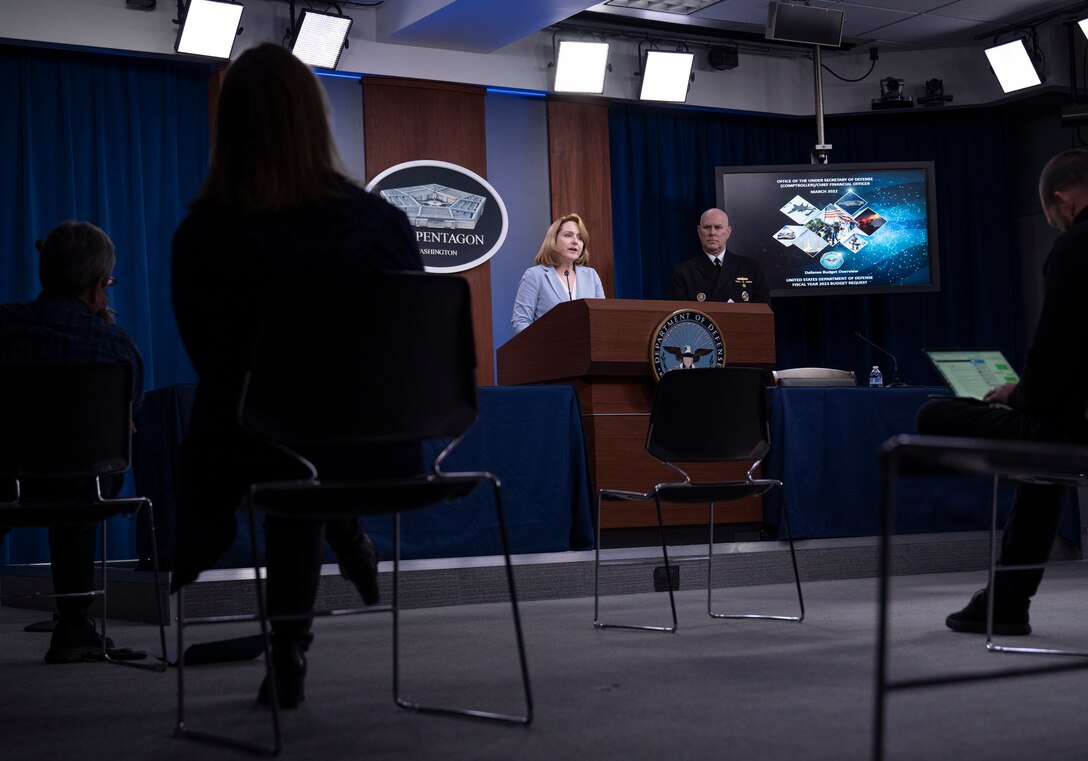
x,y
410,120
578,152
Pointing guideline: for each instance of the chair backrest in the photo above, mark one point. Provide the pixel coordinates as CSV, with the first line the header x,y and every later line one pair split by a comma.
x,y
65,421
371,358
709,415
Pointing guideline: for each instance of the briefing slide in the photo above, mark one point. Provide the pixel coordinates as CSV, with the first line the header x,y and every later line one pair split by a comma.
x,y
826,229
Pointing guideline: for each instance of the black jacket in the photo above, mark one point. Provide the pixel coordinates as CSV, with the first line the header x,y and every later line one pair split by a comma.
x,y
223,265
1054,384
697,279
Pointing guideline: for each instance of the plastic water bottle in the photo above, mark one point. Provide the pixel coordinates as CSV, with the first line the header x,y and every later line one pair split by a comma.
x,y
876,378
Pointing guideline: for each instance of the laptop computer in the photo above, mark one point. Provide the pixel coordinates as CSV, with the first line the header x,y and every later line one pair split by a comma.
x,y
972,372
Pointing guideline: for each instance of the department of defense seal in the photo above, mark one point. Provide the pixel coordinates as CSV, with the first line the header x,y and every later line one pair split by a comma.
x,y
686,339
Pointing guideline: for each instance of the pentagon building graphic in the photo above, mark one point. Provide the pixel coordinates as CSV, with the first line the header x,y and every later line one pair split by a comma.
x,y
437,206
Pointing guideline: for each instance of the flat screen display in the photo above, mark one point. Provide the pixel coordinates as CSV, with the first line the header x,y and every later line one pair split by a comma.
x,y
820,229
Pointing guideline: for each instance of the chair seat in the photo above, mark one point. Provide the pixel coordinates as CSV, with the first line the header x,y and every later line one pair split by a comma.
x,y
695,493
720,491
65,513
344,498
1061,464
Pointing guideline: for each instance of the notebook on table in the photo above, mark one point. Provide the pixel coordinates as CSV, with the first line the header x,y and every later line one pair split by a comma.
x,y
972,372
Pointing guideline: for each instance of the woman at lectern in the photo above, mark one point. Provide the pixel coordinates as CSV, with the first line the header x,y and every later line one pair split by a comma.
x,y
559,273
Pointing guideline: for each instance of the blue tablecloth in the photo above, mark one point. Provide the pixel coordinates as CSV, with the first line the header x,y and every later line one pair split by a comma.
x,y
825,445
530,437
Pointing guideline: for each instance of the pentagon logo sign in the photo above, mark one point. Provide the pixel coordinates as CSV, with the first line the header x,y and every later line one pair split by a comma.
x,y
459,219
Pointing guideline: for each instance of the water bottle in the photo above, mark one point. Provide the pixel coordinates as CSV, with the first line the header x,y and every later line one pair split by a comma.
x,y
876,379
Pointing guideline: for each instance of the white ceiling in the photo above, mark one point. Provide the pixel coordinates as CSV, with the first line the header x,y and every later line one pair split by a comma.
x,y
487,25
917,23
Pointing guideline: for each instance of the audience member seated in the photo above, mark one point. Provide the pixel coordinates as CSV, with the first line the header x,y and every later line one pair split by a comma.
x,y
70,322
1049,403
275,205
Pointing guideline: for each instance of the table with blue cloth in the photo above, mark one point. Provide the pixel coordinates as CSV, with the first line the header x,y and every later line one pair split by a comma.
x,y
825,444
530,437
824,447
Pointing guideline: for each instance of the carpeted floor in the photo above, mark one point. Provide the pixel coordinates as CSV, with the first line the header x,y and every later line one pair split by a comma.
x,y
714,690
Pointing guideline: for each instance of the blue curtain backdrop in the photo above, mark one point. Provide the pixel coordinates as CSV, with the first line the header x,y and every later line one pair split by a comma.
x,y
663,163
118,141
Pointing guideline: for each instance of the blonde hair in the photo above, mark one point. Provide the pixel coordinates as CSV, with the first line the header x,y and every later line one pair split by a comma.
x,y
273,146
549,253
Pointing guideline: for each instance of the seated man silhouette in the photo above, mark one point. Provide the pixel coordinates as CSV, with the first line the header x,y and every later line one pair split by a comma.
x,y
70,322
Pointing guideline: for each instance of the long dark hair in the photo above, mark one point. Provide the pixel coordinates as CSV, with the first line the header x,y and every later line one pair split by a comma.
x,y
273,148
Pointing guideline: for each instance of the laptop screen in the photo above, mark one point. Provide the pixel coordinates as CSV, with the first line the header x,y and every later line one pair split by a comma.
x,y
972,372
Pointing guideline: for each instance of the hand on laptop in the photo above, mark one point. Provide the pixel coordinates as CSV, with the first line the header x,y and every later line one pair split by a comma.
x,y
999,394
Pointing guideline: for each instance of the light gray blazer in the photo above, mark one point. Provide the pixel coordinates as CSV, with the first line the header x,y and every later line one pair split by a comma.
x,y
541,289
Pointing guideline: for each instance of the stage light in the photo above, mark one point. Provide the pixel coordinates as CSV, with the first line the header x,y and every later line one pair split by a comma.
x,y
581,66
681,7
1013,66
320,38
666,76
209,28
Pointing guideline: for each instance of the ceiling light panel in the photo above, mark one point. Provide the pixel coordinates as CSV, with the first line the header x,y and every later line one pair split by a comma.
x,y
681,7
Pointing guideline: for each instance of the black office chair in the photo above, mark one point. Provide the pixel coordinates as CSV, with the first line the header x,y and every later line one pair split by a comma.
x,y
998,460
704,415
383,362
71,422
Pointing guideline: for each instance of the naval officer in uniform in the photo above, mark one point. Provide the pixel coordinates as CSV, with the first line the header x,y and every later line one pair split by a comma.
x,y
717,274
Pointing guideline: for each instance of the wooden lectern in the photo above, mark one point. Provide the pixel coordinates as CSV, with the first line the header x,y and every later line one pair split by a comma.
x,y
602,348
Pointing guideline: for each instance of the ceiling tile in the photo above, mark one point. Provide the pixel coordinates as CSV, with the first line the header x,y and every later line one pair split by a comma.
x,y
932,30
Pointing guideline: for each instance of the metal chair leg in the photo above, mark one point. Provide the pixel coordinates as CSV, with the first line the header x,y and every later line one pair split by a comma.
x,y
597,570
992,646
668,569
162,661
523,719
181,728
597,623
710,577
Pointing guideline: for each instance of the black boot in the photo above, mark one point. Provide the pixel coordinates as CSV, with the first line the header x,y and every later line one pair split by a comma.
x,y
1010,616
357,555
360,567
289,664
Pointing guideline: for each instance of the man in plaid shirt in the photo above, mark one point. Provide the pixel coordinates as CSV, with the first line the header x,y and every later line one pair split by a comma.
x,y
70,323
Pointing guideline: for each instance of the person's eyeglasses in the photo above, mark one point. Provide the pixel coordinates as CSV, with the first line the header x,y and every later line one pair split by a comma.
x,y
110,281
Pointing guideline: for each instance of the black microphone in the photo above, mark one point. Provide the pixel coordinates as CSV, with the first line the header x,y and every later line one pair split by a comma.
x,y
895,364
566,274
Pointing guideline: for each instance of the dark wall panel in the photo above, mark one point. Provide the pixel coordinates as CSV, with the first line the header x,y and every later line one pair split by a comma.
x,y
409,120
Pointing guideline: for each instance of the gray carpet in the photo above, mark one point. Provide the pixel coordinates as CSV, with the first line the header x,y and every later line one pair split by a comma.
x,y
714,690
